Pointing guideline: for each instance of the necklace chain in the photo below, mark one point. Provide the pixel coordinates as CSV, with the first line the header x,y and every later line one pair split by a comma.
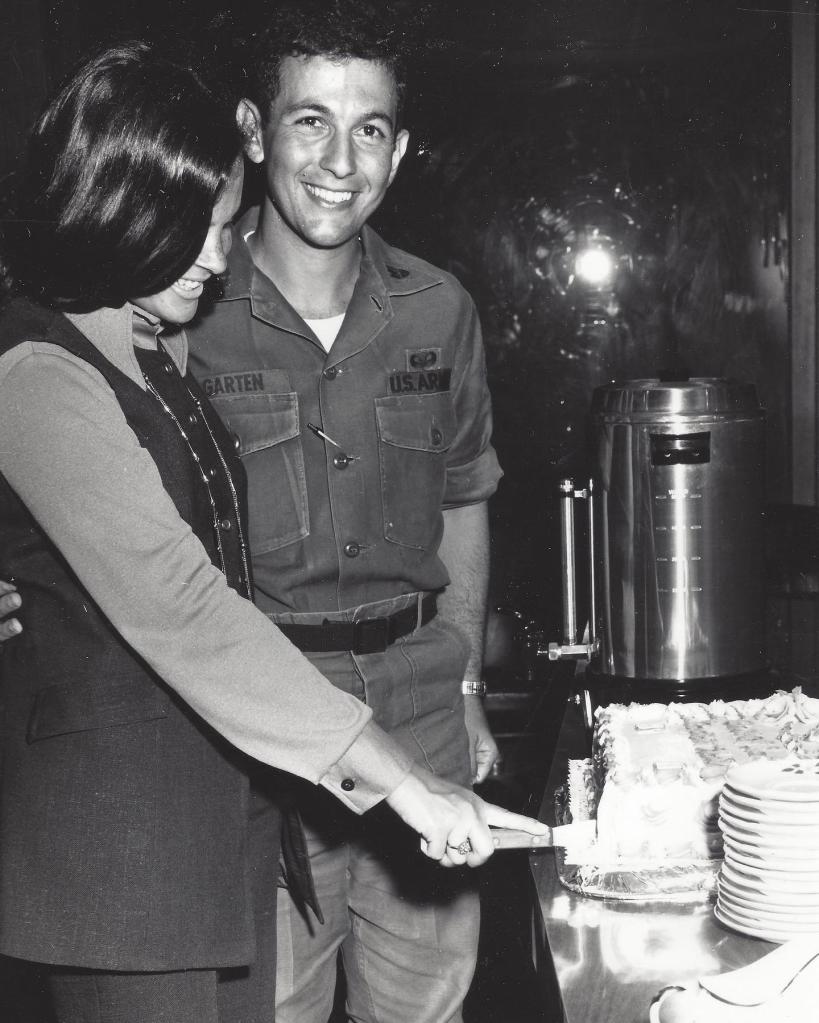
x,y
214,511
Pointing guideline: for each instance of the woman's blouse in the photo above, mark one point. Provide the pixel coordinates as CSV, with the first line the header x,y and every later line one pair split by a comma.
x,y
67,451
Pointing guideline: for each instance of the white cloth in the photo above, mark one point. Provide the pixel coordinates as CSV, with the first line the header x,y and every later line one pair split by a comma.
x,y
781,987
326,329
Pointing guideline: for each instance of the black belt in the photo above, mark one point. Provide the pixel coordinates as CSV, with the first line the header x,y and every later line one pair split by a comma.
x,y
368,636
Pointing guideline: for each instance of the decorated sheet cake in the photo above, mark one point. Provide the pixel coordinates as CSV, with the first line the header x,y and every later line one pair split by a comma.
x,y
653,784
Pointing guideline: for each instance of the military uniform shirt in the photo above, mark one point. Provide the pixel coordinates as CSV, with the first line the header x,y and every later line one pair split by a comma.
x,y
354,516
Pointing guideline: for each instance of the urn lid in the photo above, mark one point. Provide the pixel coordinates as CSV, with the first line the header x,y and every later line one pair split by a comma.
x,y
656,396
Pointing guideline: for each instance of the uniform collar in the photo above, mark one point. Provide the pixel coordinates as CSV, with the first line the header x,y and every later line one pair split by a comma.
x,y
400,273
384,270
112,331
386,273
244,280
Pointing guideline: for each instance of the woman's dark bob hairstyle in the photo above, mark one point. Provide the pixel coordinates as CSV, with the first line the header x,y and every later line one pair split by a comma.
x,y
122,171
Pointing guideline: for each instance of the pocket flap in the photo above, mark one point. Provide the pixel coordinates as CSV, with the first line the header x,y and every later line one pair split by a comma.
x,y
260,420
86,706
419,422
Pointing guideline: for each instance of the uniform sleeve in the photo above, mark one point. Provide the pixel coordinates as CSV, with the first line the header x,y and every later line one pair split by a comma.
x,y
68,452
473,471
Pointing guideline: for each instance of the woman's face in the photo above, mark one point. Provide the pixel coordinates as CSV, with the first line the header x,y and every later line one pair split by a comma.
x,y
178,303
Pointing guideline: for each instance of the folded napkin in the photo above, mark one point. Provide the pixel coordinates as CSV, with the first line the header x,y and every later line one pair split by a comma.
x,y
781,987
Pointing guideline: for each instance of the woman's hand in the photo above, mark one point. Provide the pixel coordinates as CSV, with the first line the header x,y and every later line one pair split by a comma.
x,y
9,602
452,821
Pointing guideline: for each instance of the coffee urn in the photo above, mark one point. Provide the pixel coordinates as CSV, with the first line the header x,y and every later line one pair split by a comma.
x,y
675,525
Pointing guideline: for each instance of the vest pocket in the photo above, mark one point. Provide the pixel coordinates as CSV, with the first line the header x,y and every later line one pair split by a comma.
x,y
266,430
87,706
415,432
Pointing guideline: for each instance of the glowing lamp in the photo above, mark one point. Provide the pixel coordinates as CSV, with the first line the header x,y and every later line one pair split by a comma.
x,y
594,267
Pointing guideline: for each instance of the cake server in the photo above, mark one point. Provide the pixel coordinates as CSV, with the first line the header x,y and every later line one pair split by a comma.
x,y
577,833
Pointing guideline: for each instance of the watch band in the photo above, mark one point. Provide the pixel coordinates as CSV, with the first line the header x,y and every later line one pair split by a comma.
x,y
469,688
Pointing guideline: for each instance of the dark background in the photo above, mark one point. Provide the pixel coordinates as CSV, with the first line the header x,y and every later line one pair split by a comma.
x,y
663,123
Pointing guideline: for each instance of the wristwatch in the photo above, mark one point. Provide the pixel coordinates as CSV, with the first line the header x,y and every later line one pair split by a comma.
x,y
469,688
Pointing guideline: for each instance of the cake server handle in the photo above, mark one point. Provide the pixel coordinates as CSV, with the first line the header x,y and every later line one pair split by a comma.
x,y
565,834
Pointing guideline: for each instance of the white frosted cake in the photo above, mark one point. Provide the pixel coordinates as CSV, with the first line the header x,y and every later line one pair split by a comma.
x,y
656,771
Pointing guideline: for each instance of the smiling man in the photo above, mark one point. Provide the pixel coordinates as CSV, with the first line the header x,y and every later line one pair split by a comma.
x,y
352,377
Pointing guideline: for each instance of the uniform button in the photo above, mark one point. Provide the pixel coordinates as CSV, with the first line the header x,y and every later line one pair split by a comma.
x,y
168,367
237,442
193,419
352,550
348,784
225,524
436,436
330,373
341,461
211,472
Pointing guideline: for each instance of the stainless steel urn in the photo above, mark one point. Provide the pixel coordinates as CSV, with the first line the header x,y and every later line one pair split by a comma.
x,y
678,528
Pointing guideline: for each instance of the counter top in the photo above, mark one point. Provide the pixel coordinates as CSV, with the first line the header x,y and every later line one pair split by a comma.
x,y
607,959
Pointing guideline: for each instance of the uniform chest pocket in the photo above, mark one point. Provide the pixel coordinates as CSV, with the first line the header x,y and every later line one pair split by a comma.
x,y
414,432
266,430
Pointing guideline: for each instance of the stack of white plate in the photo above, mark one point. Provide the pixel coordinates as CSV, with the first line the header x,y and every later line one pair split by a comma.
x,y
769,882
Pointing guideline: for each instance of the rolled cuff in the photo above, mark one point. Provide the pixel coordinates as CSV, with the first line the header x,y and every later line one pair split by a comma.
x,y
474,481
371,769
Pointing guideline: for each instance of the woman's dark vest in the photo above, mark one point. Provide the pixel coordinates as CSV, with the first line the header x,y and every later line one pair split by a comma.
x,y
122,814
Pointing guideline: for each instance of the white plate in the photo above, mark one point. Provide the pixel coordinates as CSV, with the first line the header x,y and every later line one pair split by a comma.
x,y
790,780
768,885
801,827
796,844
772,912
748,857
776,902
786,812
768,799
795,854
809,925
761,931
797,836
793,815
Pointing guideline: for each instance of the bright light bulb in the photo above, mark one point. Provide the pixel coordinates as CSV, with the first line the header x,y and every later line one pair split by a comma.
x,y
594,267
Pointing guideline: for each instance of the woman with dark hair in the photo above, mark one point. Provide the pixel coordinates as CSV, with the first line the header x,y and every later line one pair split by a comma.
x,y
145,693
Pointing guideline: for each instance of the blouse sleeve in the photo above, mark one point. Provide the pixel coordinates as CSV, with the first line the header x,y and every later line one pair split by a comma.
x,y
68,452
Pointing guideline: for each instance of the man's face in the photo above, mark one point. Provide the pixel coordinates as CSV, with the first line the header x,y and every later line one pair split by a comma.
x,y
330,147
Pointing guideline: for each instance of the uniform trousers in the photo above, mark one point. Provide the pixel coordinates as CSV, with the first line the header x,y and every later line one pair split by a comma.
x,y
407,929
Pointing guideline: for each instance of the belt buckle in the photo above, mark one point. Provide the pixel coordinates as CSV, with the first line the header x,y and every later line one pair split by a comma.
x,y
371,635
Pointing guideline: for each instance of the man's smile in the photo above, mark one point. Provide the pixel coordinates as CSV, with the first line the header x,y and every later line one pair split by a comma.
x,y
326,195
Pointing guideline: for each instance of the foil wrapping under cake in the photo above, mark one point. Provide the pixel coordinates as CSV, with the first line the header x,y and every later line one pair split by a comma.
x,y
682,882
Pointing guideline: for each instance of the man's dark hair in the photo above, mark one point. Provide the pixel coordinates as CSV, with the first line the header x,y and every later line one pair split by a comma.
x,y
121,175
337,29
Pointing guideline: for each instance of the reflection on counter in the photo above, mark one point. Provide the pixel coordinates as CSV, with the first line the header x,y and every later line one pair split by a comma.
x,y
611,958
628,943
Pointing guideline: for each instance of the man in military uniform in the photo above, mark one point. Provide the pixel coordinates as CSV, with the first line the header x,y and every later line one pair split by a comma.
x,y
352,377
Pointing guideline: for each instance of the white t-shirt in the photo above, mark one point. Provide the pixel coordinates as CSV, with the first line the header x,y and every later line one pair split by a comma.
x,y
326,329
